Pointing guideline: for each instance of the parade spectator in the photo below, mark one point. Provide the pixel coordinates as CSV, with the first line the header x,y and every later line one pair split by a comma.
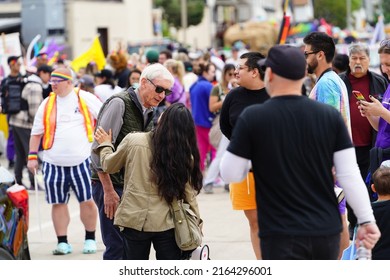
x,y
86,82
44,72
188,80
91,68
176,67
149,187
359,78
41,59
340,63
22,122
14,77
134,77
164,56
118,61
381,207
64,122
251,91
200,95
378,113
217,96
329,88
152,56
298,212
235,56
128,111
105,85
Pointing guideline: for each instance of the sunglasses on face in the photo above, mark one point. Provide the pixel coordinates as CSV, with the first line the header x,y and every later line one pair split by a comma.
x,y
160,89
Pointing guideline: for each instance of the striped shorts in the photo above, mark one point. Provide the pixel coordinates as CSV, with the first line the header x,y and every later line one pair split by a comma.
x,y
59,180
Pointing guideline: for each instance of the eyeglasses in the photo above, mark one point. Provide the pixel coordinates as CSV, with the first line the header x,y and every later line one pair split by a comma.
x,y
160,89
56,82
240,67
308,53
385,43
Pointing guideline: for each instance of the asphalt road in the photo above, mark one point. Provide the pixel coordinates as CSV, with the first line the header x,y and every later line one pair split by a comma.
x,y
226,231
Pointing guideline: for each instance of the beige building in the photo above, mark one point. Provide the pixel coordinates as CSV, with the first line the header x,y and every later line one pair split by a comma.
x,y
74,23
118,22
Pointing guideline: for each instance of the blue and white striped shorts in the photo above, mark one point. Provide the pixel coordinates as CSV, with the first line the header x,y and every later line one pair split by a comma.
x,y
59,180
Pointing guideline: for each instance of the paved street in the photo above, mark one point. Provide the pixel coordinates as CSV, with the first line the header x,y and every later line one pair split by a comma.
x,y
226,232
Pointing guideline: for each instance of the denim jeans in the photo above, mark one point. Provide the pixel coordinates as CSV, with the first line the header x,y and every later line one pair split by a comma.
x,y
111,235
137,244
300,247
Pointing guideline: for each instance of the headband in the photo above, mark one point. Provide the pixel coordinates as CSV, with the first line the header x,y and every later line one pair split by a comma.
x,y
61,76
13,61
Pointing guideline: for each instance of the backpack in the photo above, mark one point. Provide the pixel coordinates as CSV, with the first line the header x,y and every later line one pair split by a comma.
x,y
11,96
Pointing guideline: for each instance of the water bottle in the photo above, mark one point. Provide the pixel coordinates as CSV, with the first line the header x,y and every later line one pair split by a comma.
x,y
362,253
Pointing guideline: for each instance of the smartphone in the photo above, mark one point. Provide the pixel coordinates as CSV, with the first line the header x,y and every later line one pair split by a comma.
x,y
358,95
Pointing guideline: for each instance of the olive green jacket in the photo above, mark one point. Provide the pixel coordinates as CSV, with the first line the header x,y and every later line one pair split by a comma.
x,y
141,207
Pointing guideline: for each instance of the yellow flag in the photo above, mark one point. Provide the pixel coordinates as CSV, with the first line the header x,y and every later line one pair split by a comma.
x,y
95,53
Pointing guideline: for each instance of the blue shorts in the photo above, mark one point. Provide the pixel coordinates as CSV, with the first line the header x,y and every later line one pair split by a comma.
x,y
60,179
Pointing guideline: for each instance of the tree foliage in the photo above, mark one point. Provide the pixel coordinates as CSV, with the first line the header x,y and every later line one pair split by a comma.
x,y
172,11
386,10
334,11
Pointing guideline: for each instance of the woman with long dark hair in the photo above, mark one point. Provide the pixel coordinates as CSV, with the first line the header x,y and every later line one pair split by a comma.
x,y
158,166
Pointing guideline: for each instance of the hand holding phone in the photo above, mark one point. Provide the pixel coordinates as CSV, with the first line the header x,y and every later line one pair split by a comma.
x,y
358,95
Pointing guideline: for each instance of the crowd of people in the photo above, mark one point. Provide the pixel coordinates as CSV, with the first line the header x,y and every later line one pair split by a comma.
x,y
132,137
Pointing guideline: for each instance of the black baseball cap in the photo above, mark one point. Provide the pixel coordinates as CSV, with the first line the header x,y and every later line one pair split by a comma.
x,y
286,61
12,58
105,73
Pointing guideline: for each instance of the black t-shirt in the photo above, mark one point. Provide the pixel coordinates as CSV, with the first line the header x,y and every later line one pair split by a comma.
x,y
290,141
381,251
235,102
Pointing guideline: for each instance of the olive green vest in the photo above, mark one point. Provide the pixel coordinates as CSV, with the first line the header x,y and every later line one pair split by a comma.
x,y
133,121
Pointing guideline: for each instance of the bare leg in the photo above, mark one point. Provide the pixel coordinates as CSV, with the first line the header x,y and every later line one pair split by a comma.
x,y
251,215
61,218
88,214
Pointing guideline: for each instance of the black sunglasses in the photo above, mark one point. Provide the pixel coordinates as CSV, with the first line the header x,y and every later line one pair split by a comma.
x,y
160,89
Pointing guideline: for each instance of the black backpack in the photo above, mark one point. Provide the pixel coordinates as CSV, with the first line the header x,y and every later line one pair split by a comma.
x,y
11,96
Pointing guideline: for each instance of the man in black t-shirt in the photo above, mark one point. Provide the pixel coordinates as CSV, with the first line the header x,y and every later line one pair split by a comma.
x,y
293,142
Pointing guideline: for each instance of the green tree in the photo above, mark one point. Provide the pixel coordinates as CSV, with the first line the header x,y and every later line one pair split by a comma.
x,y
334,11
386,10
172,11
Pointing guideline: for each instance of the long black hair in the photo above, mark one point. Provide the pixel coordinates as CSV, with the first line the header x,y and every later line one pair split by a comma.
x,y
175,153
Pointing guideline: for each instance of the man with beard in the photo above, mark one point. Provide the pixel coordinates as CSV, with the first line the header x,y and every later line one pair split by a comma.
x,y
329,88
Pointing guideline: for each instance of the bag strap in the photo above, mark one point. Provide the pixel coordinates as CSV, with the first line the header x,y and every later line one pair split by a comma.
x,y
176,209
340,197
177,99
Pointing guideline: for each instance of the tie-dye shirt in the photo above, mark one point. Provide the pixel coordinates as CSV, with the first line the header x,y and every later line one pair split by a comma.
x,y
330,89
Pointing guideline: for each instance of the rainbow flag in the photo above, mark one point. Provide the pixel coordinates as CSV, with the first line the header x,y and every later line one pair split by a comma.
x,y
284,30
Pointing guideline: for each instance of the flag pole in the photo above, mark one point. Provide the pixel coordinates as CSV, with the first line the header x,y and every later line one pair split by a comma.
x,y
285,25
